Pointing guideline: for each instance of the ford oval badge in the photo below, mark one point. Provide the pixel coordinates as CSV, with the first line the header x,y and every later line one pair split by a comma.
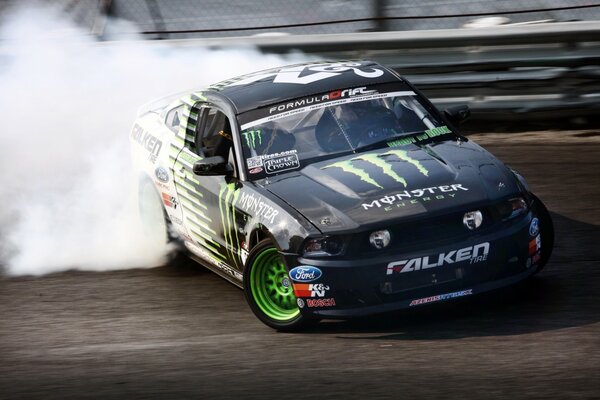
x,y
305,273
161,174
534,227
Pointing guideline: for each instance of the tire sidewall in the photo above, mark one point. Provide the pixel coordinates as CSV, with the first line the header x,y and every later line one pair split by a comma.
x,y
295,323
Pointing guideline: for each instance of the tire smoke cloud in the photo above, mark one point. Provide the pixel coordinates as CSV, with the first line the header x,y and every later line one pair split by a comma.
x,y
67,104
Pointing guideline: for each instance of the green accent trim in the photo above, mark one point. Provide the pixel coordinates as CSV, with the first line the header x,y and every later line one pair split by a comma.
x,y
236,195
197,213
403,155
190,188
203,226
385,167
202,241
347,166
191,202
267,275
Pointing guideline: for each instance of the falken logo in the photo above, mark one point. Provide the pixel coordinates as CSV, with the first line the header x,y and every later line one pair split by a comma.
x,y
305,273
423,193
148,142
473,254
378,161
310,289
319,72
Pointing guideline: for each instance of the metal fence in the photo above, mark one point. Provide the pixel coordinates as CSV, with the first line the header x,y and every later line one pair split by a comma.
x,y
177,19
542,72
545,72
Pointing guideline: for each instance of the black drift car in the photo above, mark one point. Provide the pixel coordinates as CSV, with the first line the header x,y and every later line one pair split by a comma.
x,y
332,190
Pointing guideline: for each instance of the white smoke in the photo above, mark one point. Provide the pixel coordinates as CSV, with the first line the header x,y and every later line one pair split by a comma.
x,y
67,104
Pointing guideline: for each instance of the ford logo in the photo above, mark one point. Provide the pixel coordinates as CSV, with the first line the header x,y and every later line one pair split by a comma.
x,y
305,273
161,174
534,227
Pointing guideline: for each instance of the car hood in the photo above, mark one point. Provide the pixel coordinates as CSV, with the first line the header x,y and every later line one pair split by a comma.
x,y
363,189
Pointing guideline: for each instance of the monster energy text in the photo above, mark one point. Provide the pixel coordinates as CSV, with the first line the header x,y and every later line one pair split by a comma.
x,y
415,194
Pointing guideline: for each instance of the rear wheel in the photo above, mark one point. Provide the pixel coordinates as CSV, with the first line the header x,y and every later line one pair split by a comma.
x,y
269,289
546,232
155,222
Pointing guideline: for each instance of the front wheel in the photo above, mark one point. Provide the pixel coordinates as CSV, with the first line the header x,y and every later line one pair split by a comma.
x,y
269,290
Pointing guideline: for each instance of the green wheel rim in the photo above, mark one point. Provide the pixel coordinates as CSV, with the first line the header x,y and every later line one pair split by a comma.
x,y
272,288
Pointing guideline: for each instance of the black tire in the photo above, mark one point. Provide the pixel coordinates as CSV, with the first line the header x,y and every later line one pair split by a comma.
x,y
546,231
269,292
155,221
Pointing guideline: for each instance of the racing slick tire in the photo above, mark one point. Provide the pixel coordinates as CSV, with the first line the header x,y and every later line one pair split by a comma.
x,y
155,221
269,290
546,232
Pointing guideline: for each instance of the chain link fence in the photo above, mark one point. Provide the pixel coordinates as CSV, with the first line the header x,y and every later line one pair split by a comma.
x,y
179,19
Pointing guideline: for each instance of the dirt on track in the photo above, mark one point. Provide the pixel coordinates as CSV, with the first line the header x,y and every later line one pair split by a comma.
x,y
182,332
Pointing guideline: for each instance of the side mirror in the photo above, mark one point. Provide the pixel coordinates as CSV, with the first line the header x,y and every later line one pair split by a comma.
x,y
211,166
457,114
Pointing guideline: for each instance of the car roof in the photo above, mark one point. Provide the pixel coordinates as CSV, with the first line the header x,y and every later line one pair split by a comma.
x,y
259,89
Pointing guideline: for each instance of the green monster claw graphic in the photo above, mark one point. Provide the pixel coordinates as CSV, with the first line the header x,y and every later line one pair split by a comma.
x,y
252,137
347,166
228,197
375,159
403,155
385,167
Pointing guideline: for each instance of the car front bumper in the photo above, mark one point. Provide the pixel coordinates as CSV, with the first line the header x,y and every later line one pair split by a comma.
x,y
435,273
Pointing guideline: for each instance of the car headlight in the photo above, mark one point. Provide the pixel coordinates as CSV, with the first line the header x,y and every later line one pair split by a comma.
x,y
380,239
325,246
513,208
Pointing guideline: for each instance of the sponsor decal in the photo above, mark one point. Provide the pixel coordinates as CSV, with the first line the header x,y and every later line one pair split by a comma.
x,y
258,161
535,245
312,303
378,160
370,96
300,303
428,134
336,94
399,199
534,227
310,73
253,138
440,297
310,289
205,255
257,207
161,174
256,170
305,273
169,200
280,164
147,141
473,254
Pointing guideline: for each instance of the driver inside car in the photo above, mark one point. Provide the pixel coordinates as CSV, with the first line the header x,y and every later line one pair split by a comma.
x,y
353,125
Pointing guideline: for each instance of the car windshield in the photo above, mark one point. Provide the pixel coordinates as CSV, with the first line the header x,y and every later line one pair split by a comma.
x,y
291,135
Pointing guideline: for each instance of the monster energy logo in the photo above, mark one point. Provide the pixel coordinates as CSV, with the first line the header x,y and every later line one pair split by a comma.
x,y
253,138
228,197
379,161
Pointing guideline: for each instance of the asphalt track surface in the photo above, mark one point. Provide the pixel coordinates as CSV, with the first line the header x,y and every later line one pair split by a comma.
x,y
182,332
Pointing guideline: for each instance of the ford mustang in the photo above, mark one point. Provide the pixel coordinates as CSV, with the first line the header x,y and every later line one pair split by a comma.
x,y
333,190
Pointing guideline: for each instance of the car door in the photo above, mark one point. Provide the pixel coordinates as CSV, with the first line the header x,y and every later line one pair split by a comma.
x,y
208,202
